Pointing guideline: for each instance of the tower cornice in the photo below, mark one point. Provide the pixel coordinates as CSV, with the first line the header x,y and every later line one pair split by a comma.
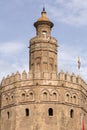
x,y
49,23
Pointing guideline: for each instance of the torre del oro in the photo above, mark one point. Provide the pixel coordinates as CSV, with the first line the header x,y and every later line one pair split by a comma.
x,y
43,98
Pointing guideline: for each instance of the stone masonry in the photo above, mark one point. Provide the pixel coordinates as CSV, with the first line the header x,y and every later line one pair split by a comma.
x,y
43,99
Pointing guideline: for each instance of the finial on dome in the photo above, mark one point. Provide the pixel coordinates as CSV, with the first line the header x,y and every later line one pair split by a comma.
x,y
44,9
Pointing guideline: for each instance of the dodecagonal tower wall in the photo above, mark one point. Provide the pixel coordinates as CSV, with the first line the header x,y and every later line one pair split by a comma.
x,y
21,94
43,99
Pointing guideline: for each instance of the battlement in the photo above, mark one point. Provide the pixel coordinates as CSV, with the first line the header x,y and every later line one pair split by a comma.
x,y
14,77
27,76
72,78
48,76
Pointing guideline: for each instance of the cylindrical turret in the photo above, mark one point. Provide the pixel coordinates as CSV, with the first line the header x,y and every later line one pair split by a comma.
x,y
43,47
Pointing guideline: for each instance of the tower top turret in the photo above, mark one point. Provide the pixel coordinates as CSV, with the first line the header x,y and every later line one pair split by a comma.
x,y
43,19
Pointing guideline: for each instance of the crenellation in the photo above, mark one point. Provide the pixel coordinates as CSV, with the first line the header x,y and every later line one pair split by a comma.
x,y
61,75
83,87
17,76
12,78
7,80
84,84
73,78
24,75
3,81
67,76
78,79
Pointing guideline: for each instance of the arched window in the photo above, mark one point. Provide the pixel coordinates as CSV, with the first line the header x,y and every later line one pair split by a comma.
x,y
27,111
31,95
12,97
7,99
8,115
74,98
54,96
71,113
44,33
50,112
45,95
23,96
67,97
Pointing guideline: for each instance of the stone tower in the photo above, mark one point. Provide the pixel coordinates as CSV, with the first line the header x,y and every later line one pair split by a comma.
x,y
41,99
43,49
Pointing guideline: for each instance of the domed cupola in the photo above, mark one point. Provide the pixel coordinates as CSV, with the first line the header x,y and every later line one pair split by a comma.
x,y
43,20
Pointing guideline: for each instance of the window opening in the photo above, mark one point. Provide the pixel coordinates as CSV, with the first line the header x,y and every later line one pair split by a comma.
x,y
74,99
44,34
72,113
31,95
67,97
6,98
44,95
8,114
50,112
23,94
54,96
27,112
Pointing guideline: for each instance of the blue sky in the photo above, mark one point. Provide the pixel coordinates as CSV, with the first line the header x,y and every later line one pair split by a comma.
x,y
16,28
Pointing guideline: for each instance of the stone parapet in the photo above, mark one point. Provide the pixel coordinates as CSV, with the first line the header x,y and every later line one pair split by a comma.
x,y
13,78
65,78
28,76
72,78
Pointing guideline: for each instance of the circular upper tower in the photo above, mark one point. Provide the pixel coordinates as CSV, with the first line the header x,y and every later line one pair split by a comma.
x,y
43,48
43,25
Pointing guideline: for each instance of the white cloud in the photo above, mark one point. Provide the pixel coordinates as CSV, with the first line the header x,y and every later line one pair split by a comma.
x,y
11,47
7,68
71,12
12,58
